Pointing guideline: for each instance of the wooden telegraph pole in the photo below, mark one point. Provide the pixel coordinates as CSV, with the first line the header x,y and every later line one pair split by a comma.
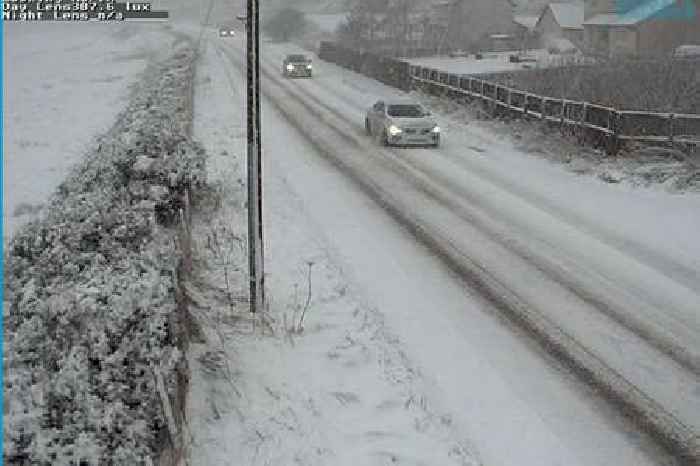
x,y
254,160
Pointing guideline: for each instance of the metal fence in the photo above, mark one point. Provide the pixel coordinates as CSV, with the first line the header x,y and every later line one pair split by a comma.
x,y
611,125
605,125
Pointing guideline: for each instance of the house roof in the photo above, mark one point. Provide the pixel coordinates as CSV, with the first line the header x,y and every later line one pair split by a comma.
x,y
567,15
526,21
634,16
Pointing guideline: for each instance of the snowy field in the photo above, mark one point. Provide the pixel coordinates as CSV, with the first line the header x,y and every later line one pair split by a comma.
x,y
64,84
496,62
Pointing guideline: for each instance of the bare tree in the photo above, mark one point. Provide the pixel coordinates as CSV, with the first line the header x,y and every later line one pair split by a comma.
x,y
285,24
363,22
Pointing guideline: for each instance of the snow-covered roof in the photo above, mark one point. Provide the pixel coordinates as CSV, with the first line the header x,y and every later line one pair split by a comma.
x,y
526,21
567,15
631,17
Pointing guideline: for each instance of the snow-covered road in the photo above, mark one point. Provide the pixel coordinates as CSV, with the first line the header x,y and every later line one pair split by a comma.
x,y
615,271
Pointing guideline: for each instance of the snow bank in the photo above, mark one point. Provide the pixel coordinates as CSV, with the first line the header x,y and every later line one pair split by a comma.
x,y
90,327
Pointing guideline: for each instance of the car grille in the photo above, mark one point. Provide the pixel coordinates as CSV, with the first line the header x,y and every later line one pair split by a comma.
x,y
417,131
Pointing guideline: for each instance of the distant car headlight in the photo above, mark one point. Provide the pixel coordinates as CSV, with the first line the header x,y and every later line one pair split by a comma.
x,y
308,67
436,129
394,130
290,67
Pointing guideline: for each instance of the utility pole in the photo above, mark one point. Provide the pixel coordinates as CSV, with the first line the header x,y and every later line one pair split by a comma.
x,y
254,161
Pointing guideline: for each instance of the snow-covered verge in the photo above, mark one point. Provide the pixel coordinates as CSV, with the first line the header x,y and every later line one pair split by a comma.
x,y
92,334
674,170
635,165
320,378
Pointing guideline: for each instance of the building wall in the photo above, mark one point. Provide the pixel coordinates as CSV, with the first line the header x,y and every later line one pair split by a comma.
x,y
623,41
596,7
525,38
548,26
597,40
575,36
662,37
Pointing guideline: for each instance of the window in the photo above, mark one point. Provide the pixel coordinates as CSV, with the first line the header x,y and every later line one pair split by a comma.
x,y
406,111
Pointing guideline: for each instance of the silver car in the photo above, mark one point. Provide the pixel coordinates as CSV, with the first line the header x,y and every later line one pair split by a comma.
x,y
402,123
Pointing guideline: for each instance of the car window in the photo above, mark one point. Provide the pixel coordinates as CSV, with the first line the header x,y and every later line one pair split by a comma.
x,y
296,58
406,111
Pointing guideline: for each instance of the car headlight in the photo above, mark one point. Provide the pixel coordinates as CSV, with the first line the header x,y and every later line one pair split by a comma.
x,y
308,67
394,130
436,129
290,67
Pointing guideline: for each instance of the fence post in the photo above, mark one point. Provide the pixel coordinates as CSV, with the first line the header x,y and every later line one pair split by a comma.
x,y
614,126
526,105
494,111
543,110
509,110
582,120
670,128
562,114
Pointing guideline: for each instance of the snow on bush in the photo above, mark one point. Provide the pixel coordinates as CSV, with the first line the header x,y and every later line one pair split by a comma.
x,y
658,85
89,290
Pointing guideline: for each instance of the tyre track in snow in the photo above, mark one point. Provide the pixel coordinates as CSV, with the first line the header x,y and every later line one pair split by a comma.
x,y
680,273
585,283
649,415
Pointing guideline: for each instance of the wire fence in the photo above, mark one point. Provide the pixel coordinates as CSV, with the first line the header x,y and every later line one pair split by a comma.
x,y
606,126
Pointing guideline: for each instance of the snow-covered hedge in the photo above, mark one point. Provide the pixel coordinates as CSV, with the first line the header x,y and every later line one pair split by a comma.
x,y
89,290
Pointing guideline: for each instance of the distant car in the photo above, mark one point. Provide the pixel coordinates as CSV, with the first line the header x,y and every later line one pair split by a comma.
x,y
297,66
402,123
227,31
687,51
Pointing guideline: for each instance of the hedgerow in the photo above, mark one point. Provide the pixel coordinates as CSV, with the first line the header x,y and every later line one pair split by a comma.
x,y
89,290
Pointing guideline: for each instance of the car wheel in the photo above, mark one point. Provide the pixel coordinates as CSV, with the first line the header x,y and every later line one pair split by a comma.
x,y
385,139
368,128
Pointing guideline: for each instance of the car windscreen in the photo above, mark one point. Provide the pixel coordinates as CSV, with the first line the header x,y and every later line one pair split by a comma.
x,y
296,58
405,111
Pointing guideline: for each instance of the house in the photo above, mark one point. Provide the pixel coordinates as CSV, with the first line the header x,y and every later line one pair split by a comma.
x,y
501,42
561,23
524,31
640,28
469,23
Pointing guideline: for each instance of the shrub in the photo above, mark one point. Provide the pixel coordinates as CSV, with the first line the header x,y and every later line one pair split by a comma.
x,y
652,85
89,291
